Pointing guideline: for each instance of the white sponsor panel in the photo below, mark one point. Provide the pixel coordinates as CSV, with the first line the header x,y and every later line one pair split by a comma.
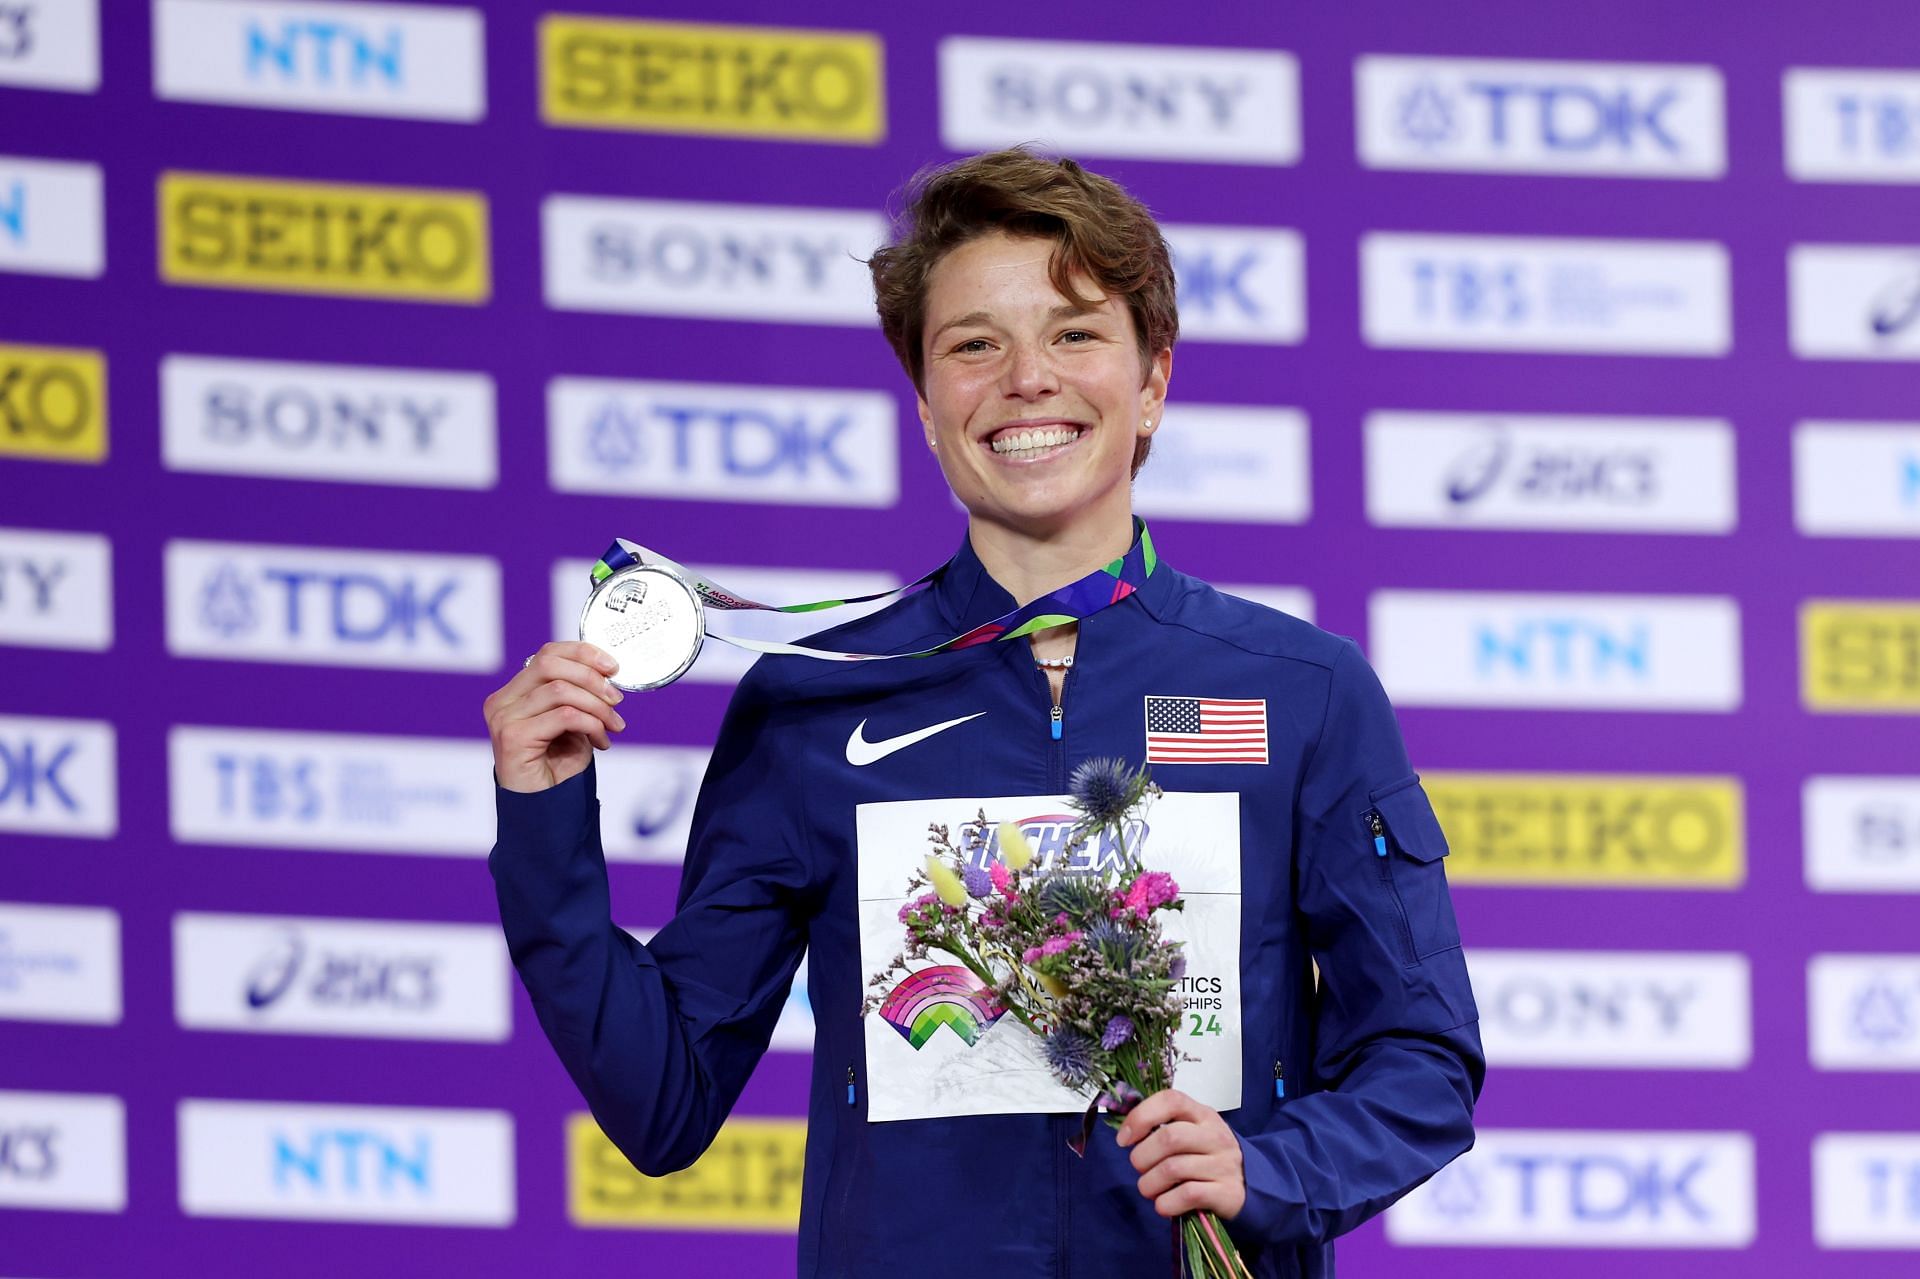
x,y
1851,125
704,441
367,425
330,791
1866,1189
1601,119
1857,479
1600,652
51,45
52,216
63,1150
346,1163
1167,102
1295,601
715,261
407,60
59,963
938,1046
1240,284
1862,834
720,662
320,606
58,776
1614,1009
376,978
1572,1189
1238,465
1499,293
1863,1012
56,589
1855,301
646,798
1508,471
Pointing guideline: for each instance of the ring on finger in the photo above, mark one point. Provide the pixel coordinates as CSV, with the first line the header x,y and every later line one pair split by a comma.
x,y
529,661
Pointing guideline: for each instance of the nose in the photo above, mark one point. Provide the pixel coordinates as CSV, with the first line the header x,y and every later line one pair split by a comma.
x,y
1030,374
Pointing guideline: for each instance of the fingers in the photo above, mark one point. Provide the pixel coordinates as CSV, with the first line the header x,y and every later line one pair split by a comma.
x,y
1179,1137
550,725
1170,1173
559,692
574,662
1163,1107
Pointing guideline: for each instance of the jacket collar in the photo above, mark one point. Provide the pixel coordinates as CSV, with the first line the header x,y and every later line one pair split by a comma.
x,y
967,595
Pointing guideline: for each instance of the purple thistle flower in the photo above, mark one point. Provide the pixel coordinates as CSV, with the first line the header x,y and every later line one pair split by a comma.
x,y
1070,1054
978,882
1119,1030
1178,968
1102,789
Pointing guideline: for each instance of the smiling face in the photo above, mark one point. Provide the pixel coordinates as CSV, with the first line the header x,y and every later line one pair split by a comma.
x,y
1034,404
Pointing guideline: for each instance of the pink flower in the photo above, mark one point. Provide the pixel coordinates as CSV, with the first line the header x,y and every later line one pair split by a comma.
x,y
998,874
1032,953
1060,920
1054,945
913,907
1149,892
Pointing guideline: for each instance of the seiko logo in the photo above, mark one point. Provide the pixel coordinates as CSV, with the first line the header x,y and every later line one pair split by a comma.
x,y
1174,102
365,59
50,401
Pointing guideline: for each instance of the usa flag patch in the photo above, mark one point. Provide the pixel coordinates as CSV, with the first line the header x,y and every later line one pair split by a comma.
x,y
1206,730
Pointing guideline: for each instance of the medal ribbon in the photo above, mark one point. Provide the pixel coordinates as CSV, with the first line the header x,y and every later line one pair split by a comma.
x,y
1071,603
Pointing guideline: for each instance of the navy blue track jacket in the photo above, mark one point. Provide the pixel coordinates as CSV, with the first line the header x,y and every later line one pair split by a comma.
x,y
1383,1061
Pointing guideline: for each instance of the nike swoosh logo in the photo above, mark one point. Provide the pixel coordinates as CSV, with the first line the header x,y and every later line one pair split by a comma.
x,y
861,752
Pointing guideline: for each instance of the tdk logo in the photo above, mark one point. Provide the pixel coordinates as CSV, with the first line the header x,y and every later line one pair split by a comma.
x,y
1170,102
734,443
1544,117
364,59
1586,1189
57,776
748,262
29,1152
1240,284
348,1163
1601,651
345,608
328,422
1864,1012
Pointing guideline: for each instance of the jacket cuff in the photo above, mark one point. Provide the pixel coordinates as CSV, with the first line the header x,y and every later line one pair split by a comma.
x,y
1274,1199
547,823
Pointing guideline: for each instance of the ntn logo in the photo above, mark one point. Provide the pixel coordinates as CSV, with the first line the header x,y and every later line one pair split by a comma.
x,y
335,50
1563,647
352,1161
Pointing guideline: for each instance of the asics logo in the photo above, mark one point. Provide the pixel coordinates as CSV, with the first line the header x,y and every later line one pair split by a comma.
x,y
861,752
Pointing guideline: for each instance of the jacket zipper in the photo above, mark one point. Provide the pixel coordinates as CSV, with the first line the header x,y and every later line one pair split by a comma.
x,y
1377,827
1279,1080
1059,1126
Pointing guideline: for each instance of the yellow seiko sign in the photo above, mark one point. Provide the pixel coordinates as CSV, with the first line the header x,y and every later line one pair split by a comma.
x,y
749,1179
675,77
53,403
309,237
1599,830
1860,655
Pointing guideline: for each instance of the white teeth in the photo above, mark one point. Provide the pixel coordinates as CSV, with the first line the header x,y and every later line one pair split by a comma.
x,y
1027,441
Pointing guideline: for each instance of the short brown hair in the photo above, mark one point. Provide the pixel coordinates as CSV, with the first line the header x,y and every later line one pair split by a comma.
x,y
1100,231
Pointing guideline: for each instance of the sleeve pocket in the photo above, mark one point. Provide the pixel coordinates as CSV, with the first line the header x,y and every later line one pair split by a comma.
x,y
1415,870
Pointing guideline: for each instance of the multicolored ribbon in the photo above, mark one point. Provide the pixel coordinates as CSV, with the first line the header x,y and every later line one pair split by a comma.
x,y
1071,603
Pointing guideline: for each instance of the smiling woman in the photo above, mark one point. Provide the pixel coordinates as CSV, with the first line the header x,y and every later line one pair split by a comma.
x,y
1031,304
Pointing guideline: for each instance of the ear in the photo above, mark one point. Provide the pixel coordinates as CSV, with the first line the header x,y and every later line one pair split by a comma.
x,y
1153,392
926,419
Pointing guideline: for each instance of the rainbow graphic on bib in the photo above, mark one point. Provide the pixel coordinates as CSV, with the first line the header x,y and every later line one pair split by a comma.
x,y
946,995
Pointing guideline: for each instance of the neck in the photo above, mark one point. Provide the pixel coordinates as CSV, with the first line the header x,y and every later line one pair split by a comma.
x,y
1031,564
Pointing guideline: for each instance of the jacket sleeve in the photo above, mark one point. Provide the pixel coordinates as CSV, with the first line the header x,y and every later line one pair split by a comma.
x,y
1397,1063
660,1038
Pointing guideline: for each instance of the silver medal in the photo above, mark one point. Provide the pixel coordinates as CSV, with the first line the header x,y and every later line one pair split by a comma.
x,y
650,620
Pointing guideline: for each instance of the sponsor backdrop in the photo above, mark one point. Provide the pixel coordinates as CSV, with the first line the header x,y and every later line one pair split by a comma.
x,y
1568,364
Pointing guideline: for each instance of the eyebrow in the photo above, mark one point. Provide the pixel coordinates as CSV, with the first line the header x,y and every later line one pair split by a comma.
x,y
1065,311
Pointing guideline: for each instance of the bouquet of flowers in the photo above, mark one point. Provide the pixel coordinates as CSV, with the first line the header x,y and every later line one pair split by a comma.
x,y
1076,956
